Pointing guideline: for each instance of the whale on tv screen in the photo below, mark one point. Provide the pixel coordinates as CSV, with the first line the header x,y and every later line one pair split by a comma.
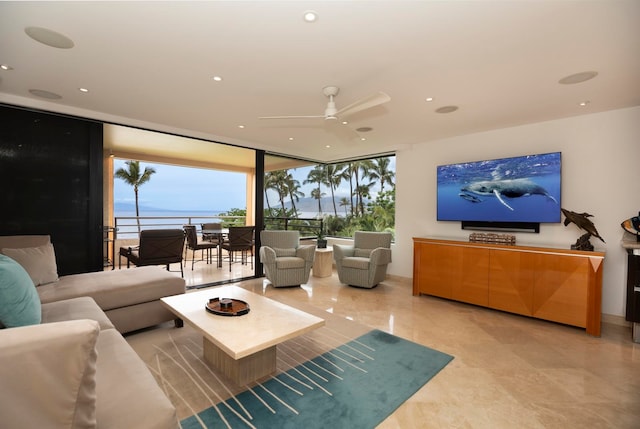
x,y
519,189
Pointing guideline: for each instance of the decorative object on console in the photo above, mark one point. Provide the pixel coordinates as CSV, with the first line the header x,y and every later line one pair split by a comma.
x,y
582,221
479,237
632,226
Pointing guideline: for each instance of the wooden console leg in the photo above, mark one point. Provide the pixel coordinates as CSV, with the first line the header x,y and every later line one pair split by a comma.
x,y
179,323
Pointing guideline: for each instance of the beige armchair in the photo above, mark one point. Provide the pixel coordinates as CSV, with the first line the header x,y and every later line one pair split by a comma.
x,y
365,263
286,262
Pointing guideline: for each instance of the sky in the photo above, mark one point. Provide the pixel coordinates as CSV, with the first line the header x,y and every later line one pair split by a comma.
x,y
184,188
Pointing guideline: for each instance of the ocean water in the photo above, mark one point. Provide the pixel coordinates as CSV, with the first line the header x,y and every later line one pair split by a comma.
x,y
128,228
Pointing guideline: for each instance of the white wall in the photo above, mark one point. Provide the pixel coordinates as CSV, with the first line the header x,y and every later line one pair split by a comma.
x,y
600,175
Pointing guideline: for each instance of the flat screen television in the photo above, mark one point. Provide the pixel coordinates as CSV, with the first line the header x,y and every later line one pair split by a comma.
x,y
522,189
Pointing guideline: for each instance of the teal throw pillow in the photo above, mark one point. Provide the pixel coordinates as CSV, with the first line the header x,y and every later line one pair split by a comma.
x,y
19,300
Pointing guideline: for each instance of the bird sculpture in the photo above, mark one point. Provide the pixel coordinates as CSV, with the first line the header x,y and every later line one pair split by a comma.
x,y
582,221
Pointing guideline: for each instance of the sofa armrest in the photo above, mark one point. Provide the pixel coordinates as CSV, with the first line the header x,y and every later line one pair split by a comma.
x,y
48,375
306,252
341,251
380,256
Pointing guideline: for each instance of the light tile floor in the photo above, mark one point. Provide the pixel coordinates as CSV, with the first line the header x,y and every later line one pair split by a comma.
x,y
509,371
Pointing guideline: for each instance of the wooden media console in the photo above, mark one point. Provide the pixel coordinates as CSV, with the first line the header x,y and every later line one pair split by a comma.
x,y
559,285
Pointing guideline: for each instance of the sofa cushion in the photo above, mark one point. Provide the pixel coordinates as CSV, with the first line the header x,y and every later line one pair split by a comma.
x,y
48,375
19,301
75,309
117,288
125,383
286,263
284,252
362,253
39,262
357,263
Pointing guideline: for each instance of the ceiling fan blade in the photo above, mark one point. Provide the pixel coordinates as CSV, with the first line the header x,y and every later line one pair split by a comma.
x,y
364,103
342,132
291,117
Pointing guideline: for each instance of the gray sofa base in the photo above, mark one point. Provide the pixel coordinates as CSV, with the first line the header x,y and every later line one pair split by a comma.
x,y
140,316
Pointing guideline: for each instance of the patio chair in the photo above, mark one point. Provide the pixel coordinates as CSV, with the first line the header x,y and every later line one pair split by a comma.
x,y
157,247
211,226
286,262
194,244
365,263
240,239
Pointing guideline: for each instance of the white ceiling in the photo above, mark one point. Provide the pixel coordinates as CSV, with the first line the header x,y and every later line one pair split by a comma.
x,y
150,65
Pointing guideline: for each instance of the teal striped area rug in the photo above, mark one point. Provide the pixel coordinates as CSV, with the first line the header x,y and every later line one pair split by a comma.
x,y
343,375
355,385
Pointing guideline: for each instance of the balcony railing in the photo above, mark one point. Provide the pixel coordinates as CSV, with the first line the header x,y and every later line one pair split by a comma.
x,y
309,228
127,227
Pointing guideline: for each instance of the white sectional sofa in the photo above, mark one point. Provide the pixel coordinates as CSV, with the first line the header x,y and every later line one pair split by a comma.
x,y
66,365
130,298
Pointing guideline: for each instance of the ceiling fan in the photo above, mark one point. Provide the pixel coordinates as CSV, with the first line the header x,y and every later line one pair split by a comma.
x,y
331,113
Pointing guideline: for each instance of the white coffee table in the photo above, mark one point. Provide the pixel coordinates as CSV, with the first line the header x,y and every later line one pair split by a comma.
x,y
242,347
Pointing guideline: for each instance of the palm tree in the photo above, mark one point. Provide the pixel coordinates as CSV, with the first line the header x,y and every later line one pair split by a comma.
x,y
268,184
363,191
279,184
133,177
316,175
344,202
347,174
380,171
293,186
315,193
332,180
356,168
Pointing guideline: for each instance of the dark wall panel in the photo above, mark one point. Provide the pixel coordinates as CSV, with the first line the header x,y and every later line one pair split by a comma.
x,y
51,175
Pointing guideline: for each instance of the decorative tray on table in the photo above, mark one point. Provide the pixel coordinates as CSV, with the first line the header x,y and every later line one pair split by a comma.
x,y
227,307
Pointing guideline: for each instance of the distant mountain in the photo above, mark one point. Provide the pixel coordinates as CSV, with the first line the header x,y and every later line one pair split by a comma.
x,y
310,205
122,207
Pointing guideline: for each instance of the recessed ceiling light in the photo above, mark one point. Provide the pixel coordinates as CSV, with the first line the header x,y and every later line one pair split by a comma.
x,y
217,78
83,90
290,138
49,37
5,67
429,99
578,77
240,126
362,139
584,103
328,146
345,122
447,109
310,16
45,94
